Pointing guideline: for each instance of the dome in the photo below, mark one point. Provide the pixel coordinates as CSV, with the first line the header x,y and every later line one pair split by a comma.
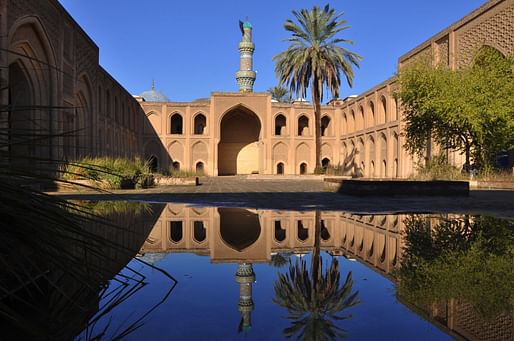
x,y
154,96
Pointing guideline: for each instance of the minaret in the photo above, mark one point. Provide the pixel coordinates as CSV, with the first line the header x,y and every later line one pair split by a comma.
x,y
246,76
245,277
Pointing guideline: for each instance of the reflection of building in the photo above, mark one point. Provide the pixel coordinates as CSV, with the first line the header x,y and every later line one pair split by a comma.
x,y
245,132
251,236
239,235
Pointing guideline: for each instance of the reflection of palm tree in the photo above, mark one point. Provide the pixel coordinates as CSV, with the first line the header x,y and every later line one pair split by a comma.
x,y
315,301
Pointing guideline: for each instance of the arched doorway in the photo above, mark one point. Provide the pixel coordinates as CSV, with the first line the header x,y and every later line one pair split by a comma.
x,y
280,168
238,150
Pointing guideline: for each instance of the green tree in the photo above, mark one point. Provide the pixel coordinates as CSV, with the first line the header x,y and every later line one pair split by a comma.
x,y
315,59
470,110
280,94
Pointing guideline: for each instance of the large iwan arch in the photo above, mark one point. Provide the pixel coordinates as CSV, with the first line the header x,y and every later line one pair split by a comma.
x,y
239,149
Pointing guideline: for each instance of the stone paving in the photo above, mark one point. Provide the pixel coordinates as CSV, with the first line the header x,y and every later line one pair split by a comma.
x,y
306,194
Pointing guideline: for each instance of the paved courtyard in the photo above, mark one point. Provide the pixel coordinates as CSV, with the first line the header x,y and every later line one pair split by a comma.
x,y
306,194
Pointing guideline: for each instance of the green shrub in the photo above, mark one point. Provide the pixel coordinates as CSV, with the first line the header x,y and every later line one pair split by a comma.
x,y
118,173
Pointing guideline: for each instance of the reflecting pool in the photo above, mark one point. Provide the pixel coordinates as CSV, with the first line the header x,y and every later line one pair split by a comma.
x,y
179,272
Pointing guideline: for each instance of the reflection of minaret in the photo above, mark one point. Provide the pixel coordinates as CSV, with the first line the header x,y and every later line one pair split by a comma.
x,y
245,277
246,76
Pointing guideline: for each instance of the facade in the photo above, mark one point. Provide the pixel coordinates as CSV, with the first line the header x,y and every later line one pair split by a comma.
x,y
57,101
59,104
247,132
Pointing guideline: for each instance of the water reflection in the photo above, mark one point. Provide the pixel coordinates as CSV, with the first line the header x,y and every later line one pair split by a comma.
x,y
456,271
58,285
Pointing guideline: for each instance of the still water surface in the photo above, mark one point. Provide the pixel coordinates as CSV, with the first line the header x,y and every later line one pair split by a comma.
x,y
173,272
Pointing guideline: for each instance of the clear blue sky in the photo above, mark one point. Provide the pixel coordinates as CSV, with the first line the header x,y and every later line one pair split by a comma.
x,y
190,47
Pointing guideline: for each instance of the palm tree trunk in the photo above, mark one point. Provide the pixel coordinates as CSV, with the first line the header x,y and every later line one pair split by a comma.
x,y
316,101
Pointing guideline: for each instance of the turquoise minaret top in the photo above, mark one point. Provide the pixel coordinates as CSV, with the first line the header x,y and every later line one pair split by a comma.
x,y
246,76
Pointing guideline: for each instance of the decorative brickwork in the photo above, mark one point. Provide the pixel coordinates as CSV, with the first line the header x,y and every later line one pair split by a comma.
x,y
469,323
496,31
443,51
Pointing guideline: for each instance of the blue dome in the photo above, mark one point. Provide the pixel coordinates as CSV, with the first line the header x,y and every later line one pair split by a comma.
x,y
154,96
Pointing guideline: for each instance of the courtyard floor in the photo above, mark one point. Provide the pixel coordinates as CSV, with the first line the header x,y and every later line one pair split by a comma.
x,y
306,194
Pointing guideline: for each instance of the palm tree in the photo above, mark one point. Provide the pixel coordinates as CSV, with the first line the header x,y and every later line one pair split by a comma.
x,y
315,59
280,94
315,301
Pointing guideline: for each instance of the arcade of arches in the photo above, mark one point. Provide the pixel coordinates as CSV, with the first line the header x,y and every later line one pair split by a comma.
x,y
52,84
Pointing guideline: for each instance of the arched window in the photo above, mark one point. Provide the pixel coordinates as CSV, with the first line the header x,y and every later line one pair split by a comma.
x,y
199,232
100,103
176,166
200,124
153,163
325,124
371,115
199,168
280,125
344,125
176,124
303,168
303,125
116,109
176,233
383,111
351,124
360,121
280,168
108,107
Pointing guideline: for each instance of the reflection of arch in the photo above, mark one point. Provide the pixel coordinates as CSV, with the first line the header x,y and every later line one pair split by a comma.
x,y
176,124
176,231
302,232
303,125
239,228
199,231
199,124
280,233
280,125
239,150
